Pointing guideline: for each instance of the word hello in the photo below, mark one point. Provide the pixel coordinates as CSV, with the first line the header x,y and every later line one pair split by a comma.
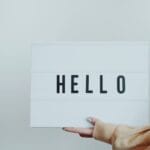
x,y
61,84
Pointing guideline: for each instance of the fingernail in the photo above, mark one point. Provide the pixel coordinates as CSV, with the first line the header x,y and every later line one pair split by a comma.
x,y
89,119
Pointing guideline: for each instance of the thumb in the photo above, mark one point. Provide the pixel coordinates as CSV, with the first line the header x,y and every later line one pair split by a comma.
x,y
92,120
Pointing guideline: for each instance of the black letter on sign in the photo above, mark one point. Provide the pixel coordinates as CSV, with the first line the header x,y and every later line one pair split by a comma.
x,y
73,84
87,85
121,84
60,84
101,85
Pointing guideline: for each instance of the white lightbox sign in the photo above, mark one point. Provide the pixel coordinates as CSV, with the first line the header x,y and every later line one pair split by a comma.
x,y
74,80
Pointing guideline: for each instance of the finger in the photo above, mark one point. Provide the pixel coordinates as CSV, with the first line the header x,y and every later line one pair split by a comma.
x,y
92,120
85,136
86,131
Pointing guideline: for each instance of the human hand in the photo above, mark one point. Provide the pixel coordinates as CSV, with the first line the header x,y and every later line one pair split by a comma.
x,y
83,132
121,137
99,130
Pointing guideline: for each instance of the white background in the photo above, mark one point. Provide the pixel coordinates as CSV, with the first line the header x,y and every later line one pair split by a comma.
x,y
24,21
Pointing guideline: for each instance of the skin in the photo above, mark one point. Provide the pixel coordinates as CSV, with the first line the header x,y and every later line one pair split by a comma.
x,y
83,132
88,133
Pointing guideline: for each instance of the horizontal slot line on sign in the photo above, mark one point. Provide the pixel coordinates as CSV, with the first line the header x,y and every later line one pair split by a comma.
x,y
107,43
117,72
67,99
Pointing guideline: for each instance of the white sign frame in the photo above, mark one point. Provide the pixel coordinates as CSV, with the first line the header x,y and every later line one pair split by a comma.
x,y
50,109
